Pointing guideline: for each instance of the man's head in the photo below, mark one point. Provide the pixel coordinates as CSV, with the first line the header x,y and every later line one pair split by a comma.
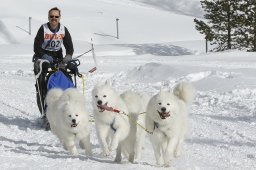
x,y
54,15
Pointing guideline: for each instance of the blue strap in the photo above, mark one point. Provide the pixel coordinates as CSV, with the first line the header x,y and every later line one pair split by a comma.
x,y
112,126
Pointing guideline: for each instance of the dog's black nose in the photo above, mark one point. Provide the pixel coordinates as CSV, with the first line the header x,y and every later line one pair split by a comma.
x,y
163,109
74,120
99,102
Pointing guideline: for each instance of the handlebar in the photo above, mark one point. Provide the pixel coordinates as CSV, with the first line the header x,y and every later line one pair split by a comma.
x,y
71,67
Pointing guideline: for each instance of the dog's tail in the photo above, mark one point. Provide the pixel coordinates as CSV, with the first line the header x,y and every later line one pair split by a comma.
x,y
53,95
185,91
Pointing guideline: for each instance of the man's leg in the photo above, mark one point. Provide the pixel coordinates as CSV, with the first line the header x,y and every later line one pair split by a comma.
x,y
41,90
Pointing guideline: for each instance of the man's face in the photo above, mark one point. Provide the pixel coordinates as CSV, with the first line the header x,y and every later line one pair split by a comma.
x,y
54,18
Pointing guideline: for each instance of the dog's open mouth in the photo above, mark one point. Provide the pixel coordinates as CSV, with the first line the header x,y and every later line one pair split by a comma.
x,y
103,107
164,115
74,125
106,107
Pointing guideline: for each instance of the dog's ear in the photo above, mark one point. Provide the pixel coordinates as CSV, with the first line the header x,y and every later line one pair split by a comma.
x,y
161,90
108,82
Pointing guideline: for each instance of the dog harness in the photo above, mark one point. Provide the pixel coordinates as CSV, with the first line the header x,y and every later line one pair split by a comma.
x,y
156,125
112,126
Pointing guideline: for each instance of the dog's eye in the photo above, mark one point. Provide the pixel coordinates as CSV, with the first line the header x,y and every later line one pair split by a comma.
x,y
96,96
105,96
69,115
76,115
159,103
168,104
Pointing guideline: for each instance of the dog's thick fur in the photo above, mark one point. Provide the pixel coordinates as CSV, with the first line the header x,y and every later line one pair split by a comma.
x,y
68,119
136,104
167,118
112,128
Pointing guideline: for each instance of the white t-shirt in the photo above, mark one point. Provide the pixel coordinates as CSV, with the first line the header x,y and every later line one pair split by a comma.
x,y
56,42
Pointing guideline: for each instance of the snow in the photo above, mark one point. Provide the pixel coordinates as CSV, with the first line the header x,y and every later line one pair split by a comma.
x,y
158,47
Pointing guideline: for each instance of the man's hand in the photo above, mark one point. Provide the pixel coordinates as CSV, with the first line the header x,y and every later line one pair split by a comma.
x,y
67,58
48,58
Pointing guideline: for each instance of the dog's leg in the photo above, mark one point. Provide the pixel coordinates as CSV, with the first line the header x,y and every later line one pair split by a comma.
x,y
140,138
85,144
132,138
157,150
118,154
115,141
178,149
171,144
120,134
71,147
102,132
131,157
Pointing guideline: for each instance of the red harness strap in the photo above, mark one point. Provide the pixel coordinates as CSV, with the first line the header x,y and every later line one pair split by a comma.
x,y
115,110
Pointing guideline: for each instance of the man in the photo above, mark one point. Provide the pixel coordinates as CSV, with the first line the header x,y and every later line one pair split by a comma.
x,y
48,51
49,38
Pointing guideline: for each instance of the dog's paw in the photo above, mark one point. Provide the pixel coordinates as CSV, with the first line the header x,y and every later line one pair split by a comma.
x,y
167,164
136,160
177,153
71,148
88,153
81,145
65,147
159,162
74,152
137,157
118,159
106,153
131,158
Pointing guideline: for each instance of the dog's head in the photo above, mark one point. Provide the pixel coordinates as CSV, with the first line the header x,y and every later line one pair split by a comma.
x,y
163,105
72,115
103,96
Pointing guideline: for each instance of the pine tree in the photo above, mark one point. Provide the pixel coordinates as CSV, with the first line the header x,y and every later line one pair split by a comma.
x,y
247,25
221,23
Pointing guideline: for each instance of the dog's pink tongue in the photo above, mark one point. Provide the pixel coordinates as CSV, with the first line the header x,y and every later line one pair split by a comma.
x,y
73,125
106,107
164,115
167,114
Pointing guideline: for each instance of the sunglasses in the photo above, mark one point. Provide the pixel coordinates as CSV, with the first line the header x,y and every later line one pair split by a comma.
x,y
52,16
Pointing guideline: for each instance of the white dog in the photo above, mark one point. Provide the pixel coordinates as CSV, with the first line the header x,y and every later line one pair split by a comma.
x,y
69,119
167,118
112,128
136,104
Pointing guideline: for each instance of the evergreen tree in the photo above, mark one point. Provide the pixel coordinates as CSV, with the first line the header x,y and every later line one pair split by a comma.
x,y
247,25
221,23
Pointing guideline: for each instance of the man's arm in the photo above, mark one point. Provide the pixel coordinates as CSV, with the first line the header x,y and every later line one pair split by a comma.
x,y
39,40
67,42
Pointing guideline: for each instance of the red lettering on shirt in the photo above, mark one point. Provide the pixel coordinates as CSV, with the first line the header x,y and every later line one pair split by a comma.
x,y
61,36
46,36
